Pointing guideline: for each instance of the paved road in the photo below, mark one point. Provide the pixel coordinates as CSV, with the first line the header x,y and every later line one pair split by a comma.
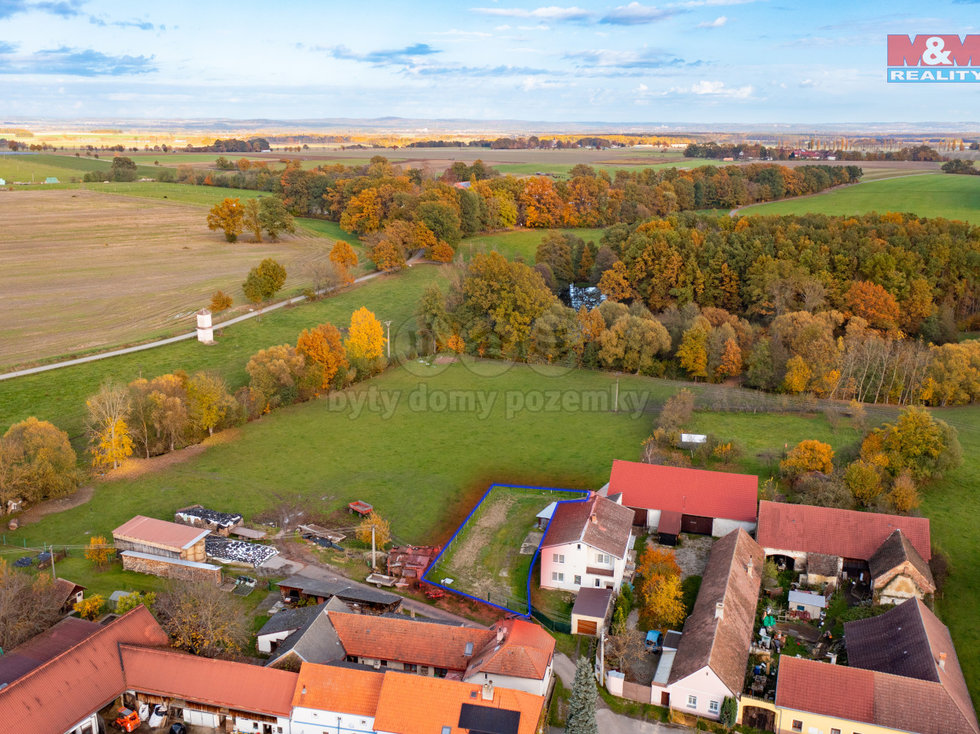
x,y
610,723
181,337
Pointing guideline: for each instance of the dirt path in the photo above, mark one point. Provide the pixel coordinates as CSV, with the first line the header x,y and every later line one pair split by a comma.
x,y
50,507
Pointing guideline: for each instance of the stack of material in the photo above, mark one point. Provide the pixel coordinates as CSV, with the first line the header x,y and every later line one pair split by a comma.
x,y
238,551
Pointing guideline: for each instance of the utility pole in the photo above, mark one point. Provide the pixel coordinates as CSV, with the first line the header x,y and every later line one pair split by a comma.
x,y
388,325
54,574
373,565
616,398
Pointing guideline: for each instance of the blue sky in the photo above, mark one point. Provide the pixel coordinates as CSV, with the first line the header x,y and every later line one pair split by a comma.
x,y
708,61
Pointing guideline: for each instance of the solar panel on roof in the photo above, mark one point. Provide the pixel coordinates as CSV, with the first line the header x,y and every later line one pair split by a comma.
x,y
487,720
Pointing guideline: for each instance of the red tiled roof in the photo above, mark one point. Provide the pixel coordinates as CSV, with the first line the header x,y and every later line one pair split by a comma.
x,y
834,532
159,532
723,644
411,704
81,680
408,640
345,690
221,683
572,522
39,649
525,652
688,491
872,697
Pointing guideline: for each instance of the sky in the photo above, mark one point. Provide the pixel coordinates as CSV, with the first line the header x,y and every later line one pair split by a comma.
x,y
690,61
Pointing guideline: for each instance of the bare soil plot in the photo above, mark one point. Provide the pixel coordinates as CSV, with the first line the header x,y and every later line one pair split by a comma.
x,y
84,270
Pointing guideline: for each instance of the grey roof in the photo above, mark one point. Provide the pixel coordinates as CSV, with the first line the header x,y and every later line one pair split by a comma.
x,y
671,639
895,551
290,619
316,641
591,602
346,592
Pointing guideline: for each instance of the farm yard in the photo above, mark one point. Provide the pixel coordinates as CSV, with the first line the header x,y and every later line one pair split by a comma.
x,y
489,557
127,269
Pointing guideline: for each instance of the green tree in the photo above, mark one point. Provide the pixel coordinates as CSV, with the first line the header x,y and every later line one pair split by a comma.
x,y
36,462
264,281
729,712
122,169
581,705
633,343
135,599
275,218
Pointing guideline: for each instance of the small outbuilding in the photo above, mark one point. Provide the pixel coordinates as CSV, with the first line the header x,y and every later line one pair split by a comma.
x,y
168,549
808,603
591,610
197,516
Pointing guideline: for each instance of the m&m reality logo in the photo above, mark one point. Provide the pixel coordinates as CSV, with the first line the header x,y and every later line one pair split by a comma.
x,y
933,59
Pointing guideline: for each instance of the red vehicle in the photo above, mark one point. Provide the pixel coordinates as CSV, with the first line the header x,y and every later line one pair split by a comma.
x,y
434,592
127,720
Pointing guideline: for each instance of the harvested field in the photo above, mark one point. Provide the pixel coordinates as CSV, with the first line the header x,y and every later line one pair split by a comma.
x,y
87,270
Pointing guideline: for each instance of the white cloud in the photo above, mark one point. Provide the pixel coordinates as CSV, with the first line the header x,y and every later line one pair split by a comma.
x,y
716,23
550,12
636,14
718,89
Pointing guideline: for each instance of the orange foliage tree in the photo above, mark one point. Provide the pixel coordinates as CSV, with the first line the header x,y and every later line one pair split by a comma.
x,y
731,360
615,284
228,216
344,258
660,597
220,301
541,204
386,255
873,304
442,252
322,346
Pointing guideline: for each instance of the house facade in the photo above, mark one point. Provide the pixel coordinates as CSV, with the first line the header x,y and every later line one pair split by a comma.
x,y
588,544
672,500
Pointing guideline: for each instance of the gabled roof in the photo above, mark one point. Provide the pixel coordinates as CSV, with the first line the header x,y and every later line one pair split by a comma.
x,y
290,620
732,579
411,704
525,651
834,532
895,551
687,491
82,679
316,641
39,649
220,683
909,641
408,640
344,690
161,533
347,592
872,697
596,521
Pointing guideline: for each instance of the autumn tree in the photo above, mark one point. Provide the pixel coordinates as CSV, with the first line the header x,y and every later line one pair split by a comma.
x,y
229,217
693,350
344,258
29,605
220,301
322,346
731,360
264,281
107,429
274,217
917,443
808,456
633,343
387,255
37,462
99,551
874,304
615,285
379,526
798,374
365,338
250,218
904,496
202,619
677,411
91,607
208,401
660,597
134,599
280,376
442,252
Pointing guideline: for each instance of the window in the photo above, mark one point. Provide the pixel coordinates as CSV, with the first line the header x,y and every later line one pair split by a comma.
x,y
578,580
692,702
597,583
558,557
714,707
602,558
835,731
578,546
424,669
410,668
561,577
797,725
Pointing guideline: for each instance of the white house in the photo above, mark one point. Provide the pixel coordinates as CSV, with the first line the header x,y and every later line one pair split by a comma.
x,y
713,650
338,700
588,543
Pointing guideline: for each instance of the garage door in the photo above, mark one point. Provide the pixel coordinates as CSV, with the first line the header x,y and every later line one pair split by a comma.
x,y
696,524
200,718
640,517
585,627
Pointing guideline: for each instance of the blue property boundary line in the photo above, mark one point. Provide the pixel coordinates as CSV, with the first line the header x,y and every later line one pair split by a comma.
x,y
530,571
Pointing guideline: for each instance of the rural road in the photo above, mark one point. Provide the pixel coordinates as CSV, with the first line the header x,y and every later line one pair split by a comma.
x,y
183,337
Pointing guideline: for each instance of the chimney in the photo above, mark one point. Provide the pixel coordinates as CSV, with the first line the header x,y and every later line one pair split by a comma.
x,y
720,610
595,519
749,567
304,690
488,691
942,661
500,633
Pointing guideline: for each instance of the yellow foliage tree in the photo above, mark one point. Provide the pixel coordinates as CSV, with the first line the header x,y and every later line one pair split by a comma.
x,y
382,530
864,481
90,607
114,445
693,350
229,217
592,323
615,284
661,599
386,255
365,338
220,301
442,252
99,551
798,375
807,456
904,496
344,258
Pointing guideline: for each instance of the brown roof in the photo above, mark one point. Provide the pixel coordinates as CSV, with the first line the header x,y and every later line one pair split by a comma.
x,y
39,649
345,690
592,602
895,551
822,565
221,683
525,651
732,579
159,533
596,521
408,640
687,491
909,641
845,533
670,522
412,704
80,680
872,697
67,588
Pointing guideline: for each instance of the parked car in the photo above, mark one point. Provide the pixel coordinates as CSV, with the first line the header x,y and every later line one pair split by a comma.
x,y
654,641
177,728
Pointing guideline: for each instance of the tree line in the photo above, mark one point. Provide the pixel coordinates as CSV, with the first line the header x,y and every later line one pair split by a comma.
x,y
755,150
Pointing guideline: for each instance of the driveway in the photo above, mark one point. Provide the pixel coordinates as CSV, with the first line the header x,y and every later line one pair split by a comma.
x,y
610,723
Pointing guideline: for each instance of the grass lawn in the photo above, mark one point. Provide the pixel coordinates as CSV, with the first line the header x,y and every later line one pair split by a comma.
x,y
184,193
520,242
485,559
563,169
59,395
66,168
930,195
